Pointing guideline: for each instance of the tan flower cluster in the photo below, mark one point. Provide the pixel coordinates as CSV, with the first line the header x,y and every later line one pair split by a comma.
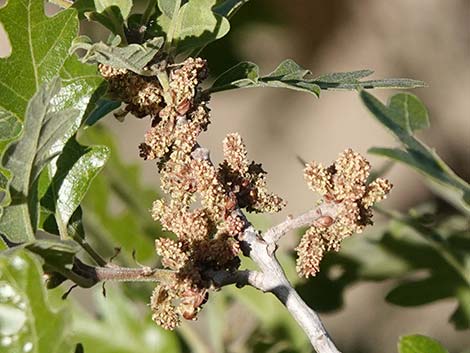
x,y
344,186
142,94
202,211
199,247
245,181
184,117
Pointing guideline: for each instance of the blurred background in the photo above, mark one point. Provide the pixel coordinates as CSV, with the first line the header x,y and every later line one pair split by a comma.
x,y
427,40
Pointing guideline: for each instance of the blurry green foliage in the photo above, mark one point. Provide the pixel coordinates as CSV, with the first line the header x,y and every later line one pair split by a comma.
x,y
419,344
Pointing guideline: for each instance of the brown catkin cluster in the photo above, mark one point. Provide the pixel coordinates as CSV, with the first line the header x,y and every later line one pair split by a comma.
x,y
142,95
343,184
204,199
246,182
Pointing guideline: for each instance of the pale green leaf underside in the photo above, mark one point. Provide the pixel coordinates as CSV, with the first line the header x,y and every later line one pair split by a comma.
x,y
133,57
31,324
288,74
417,154
291,75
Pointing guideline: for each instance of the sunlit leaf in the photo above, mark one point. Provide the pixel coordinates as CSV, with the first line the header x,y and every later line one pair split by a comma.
x,y
344,77
39,52
26,158
197,25
28,323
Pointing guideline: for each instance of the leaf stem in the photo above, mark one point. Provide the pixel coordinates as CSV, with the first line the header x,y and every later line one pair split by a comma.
x,y
90,251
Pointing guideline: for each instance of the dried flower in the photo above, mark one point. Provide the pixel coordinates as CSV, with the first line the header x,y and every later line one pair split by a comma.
x,y
163,311
142,94
310,249
235,153
246,182
206,236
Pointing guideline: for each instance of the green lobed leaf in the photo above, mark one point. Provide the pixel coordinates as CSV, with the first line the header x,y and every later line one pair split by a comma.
x,y
137,332
56,253
419,344
417,154
197,25
427,248
28,323
37,56
133,57
290,75
165,20
26,158
39,52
